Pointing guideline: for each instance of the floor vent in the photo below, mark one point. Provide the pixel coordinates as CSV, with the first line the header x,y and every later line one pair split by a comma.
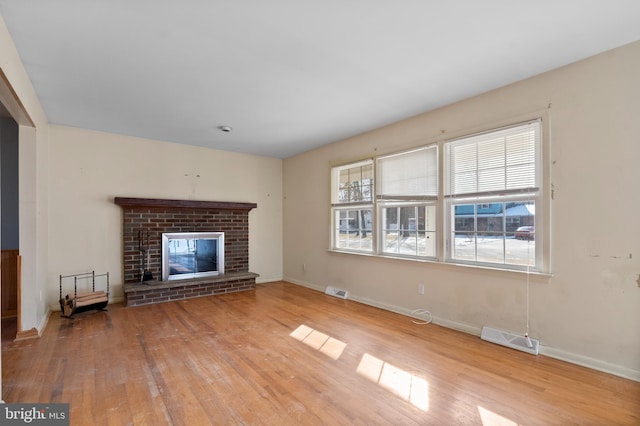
x,y
510,340
332,291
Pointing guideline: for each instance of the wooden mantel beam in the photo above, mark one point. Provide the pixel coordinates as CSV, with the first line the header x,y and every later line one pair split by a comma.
x,y
193,204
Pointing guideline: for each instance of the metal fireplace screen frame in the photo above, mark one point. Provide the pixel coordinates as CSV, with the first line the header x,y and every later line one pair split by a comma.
x,y
192,255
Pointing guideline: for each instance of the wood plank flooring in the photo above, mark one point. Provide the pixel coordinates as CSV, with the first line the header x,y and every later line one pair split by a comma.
x,y
285,354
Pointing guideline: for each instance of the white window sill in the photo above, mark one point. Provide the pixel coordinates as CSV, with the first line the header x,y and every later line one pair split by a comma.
x,y
536,275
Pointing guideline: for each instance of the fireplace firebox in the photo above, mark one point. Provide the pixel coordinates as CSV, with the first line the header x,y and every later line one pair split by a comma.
x,y
192,255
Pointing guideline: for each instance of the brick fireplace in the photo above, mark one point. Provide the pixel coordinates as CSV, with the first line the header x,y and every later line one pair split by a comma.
x,y
144,222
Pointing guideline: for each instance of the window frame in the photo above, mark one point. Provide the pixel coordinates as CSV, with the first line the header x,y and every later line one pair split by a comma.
x,y
417,190
532,192
339,206
541,195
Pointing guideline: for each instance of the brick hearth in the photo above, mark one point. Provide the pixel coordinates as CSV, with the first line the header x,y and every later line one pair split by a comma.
x,y
164,291
156,217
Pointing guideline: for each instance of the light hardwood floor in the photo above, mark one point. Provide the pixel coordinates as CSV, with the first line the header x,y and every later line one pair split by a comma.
x,y
285,354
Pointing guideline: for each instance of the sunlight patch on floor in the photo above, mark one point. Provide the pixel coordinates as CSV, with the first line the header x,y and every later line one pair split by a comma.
x,y
324,343
397,381
489,418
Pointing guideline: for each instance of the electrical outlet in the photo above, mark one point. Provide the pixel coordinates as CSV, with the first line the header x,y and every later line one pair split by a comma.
x,y
420,288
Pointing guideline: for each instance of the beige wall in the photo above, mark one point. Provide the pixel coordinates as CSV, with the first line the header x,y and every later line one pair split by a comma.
x,y
33,196
589,311
88,169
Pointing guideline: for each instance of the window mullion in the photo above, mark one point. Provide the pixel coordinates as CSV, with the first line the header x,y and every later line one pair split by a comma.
x,y
474,192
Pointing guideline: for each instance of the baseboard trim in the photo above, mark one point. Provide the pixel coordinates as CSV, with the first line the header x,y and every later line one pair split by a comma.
x,y
27,334
34,332
572,358
264,280
304,284
466,328
592,363
44,322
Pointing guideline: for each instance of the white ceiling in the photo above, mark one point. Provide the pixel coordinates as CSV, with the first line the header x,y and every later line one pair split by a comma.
x,y
290,75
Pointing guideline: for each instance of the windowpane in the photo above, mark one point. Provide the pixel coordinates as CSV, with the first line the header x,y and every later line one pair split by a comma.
x,y
500,233
353,183
353,229
409,174
500,160
521,176
409,230
491,179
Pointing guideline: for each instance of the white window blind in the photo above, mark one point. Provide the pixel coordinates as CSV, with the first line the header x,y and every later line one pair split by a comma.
x,y
499,161
409,175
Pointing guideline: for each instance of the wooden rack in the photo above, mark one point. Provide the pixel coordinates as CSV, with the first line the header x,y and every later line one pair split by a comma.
x,y
82,301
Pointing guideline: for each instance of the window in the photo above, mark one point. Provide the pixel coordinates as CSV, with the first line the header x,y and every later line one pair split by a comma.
x,y
407,202
492,190
480,209
352,205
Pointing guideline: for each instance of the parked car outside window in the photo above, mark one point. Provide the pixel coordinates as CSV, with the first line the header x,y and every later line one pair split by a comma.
x,y
525,233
